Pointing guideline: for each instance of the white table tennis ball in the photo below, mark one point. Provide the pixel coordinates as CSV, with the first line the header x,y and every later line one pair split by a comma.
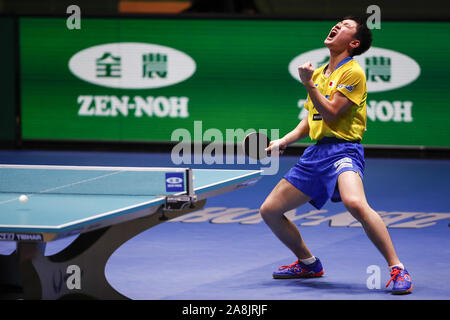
x,y
23,198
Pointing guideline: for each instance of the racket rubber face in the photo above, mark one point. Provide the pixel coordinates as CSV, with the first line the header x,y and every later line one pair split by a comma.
x,y
254,145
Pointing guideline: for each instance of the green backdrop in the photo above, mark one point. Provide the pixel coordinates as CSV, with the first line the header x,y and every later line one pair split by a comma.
x,y
240,78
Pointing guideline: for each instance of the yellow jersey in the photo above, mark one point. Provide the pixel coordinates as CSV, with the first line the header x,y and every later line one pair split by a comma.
x,y
349,79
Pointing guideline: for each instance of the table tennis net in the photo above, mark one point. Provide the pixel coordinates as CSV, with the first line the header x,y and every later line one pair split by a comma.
x,y
127,181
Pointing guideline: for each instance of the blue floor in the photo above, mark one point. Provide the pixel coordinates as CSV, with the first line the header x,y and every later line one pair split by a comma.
x,y
226,252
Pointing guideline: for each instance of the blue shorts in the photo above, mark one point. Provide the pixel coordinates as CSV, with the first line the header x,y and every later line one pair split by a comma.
x,y
317,170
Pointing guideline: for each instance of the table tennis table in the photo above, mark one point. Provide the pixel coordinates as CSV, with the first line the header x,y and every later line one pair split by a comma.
x,y
104,207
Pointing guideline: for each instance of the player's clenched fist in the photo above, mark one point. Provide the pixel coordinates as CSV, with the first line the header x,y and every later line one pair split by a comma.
x,y
305,71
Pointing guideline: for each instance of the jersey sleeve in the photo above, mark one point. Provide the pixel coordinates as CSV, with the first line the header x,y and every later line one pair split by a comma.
x,y
352,84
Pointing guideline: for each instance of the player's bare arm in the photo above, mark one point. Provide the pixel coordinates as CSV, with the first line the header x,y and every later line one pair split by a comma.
x,y
300,132
329,109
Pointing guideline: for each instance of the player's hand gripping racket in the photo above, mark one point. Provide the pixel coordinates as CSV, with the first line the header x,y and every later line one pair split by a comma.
x,y
257,146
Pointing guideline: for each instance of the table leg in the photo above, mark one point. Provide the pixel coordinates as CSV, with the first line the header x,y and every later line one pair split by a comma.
x,y
78,271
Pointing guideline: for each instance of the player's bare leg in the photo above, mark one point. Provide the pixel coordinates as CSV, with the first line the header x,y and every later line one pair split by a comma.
x,y
352,193
285,197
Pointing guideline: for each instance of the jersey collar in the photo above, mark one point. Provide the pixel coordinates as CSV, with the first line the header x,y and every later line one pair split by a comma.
x,y
343,61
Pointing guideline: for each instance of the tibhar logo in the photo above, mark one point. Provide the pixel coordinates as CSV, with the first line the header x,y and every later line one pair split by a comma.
x,y
131,65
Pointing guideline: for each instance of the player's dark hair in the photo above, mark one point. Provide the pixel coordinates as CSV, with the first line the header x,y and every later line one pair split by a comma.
x,y
363,34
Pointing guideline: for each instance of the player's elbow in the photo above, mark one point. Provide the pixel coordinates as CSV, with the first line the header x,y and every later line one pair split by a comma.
x,y
329,116
337,107
333,112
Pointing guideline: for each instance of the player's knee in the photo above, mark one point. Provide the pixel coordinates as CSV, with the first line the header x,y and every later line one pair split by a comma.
x,y
264,211
267,211
355,206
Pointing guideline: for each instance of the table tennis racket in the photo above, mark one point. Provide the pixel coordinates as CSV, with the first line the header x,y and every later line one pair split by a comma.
x,y
254,145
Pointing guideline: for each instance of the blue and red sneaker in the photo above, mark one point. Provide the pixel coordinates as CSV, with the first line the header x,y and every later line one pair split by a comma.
x,y
299,270
402,281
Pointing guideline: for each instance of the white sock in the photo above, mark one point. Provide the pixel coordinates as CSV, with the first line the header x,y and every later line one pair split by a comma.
x,y
308,261
400,265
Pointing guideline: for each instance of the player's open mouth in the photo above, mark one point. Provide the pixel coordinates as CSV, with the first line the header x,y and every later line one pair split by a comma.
x,y
332,34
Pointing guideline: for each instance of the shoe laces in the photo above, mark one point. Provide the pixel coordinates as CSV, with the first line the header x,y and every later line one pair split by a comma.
x,y
288,266
395,275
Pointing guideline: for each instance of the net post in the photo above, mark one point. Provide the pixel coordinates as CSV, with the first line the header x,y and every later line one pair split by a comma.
x,y
189,182
182,201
